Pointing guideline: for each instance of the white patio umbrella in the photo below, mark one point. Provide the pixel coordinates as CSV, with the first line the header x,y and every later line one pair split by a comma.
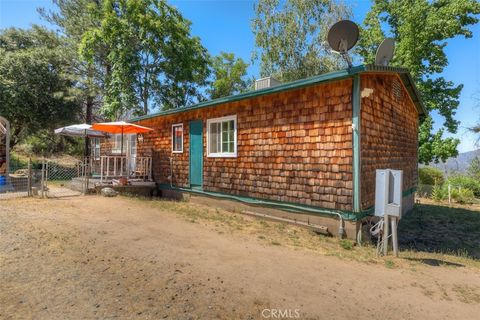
x,y
80,130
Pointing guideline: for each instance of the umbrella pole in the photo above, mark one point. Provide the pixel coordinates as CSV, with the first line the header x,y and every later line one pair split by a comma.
x,y
121,148
85,147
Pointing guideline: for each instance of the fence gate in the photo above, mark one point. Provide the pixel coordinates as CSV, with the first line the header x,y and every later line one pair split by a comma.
x,y
64,180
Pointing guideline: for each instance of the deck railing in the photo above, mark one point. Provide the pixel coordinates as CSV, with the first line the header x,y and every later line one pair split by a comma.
x,y
112,167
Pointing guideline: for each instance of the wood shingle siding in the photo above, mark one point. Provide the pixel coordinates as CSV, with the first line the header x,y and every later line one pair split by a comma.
x,y
389,133
294,146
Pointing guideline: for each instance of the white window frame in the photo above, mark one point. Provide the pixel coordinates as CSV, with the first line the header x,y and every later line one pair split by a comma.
x,y
222,154
173,136
132,144
96,146
117,144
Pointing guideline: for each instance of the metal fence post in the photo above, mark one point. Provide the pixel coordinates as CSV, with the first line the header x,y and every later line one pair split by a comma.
x,y
86,173
89,172
42,182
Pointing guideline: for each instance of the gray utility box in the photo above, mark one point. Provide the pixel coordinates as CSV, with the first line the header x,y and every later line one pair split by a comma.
x,y
388,192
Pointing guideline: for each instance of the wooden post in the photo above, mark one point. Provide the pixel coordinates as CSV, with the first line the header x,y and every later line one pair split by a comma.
x,y
29,181
394,235
101,169
386,232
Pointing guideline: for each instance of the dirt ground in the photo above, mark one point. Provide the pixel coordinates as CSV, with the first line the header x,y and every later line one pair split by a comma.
x,y
122,258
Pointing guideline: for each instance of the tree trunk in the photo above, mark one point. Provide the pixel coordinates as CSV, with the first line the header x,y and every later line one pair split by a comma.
x,y
145,106
88,120
145,92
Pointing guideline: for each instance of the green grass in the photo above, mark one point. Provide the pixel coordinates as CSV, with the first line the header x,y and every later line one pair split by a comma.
x,y
389,264
346,244
441,229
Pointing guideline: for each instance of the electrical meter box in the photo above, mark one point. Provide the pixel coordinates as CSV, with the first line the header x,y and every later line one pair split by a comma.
x,y
388,192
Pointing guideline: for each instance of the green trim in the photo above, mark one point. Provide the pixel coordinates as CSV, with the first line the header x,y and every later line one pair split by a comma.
x,y
356,132
332,76
408,192
286,206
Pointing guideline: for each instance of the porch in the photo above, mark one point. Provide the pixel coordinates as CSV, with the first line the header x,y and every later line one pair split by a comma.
x,y
112,167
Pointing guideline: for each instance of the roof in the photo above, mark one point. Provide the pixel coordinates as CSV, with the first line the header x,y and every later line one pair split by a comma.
x,y
326,77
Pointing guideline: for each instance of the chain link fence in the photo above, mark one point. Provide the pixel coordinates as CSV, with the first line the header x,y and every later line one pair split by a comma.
x,y
19,180
45,178
64,180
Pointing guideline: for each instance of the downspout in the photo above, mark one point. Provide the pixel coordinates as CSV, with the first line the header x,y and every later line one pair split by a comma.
x,y
356,152
356,144
341,229
171,172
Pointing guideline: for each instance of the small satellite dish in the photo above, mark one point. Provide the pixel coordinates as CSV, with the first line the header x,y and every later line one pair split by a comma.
x,y
342,37
385,52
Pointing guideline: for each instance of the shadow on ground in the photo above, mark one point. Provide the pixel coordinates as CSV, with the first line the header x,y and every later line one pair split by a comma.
x,y
435,262
433,228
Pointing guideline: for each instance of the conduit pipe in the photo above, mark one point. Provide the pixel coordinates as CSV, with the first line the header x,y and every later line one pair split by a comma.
x,y
292,221
284,206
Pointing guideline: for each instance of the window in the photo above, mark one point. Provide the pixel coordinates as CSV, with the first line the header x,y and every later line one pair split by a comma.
x,y
96,148
177,138
117,143
222,137
133,145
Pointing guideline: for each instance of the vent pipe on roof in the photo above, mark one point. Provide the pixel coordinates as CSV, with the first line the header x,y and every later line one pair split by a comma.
x,y
266,82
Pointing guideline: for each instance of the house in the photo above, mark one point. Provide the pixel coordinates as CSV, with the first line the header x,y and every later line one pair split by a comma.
x,y
310,147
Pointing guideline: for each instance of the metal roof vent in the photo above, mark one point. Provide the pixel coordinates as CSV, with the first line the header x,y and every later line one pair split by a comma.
x,y
266,82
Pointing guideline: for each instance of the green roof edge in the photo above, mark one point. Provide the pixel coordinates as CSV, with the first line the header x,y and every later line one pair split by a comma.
x,y
331,76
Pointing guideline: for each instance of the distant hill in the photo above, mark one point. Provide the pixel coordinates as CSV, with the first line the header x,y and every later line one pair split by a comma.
x,y
458,164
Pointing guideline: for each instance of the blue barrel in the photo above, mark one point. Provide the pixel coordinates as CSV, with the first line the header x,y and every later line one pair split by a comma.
x,y
3,180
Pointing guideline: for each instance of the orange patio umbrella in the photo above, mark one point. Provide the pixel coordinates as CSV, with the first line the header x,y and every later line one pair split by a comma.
x,y
121,127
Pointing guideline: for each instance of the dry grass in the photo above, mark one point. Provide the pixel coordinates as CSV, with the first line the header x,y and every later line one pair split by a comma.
x,y
272,233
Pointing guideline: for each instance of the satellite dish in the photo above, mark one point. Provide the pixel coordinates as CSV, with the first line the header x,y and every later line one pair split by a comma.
x,y
385,52
342,37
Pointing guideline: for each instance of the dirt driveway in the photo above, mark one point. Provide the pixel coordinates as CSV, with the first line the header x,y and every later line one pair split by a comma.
x,y
105,258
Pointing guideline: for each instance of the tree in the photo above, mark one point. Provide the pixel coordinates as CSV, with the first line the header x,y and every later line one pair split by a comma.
x,y
420,29
74,18
229,75
35,82
291,37
474,168
152,57
475,129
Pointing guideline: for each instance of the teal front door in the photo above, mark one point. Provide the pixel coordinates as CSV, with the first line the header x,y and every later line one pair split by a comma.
x,y
196,154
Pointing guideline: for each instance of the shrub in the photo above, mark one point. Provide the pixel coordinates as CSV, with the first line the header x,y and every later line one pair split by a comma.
x,y
465,182
439,192
430,176
474,168
462,195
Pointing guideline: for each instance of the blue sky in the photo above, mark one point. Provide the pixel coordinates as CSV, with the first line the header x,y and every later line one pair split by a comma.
x,y
225,26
